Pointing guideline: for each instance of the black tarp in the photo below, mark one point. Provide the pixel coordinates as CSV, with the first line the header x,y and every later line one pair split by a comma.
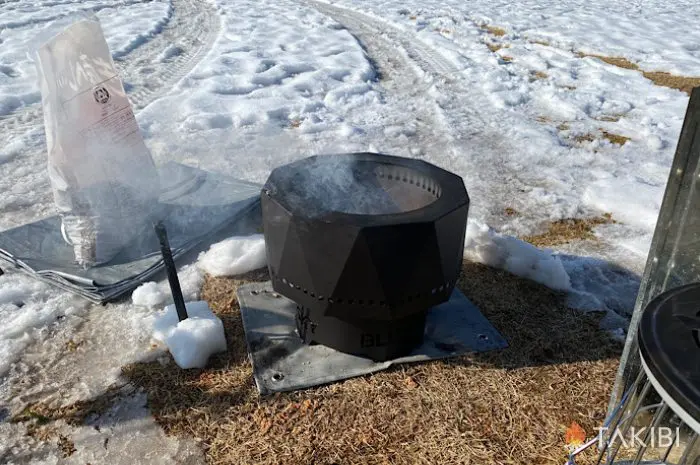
x,y
195,205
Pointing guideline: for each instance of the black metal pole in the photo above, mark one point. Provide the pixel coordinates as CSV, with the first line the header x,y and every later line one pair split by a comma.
x,y
171,271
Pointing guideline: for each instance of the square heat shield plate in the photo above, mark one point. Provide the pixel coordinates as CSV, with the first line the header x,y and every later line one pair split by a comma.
x,y
282,362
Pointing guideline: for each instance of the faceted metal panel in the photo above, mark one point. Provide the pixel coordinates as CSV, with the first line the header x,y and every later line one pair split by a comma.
x,y
450,247
363,283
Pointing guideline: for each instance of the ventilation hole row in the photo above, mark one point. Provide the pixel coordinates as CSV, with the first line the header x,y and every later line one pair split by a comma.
x,y
410,178
443,288
265,291
339,300
303,289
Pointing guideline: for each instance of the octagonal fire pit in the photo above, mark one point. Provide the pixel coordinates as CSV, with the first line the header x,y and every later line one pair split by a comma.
x,y
365,244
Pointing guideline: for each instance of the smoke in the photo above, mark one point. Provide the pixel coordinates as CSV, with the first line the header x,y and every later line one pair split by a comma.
x,y
348,184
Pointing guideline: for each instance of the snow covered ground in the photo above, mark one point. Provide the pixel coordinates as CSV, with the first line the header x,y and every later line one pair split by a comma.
x,y
496,91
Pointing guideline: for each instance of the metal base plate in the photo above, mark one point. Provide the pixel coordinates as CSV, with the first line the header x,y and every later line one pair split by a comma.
x,y
282,362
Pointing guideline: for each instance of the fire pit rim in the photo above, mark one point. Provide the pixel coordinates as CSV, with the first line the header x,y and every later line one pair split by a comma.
x,y
454,193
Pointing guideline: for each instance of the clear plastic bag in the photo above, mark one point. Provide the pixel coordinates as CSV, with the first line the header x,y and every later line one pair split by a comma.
x,y
104,182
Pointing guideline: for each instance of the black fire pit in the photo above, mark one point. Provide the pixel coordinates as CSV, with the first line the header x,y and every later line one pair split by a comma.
x,y
365,244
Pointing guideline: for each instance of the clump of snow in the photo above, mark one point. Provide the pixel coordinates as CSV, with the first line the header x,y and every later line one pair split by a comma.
x,y
193,340
234,256
148,294
152,294
484,245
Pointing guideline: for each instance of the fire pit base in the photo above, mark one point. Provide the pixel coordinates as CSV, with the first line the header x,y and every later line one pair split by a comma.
x,y
379,340
283,362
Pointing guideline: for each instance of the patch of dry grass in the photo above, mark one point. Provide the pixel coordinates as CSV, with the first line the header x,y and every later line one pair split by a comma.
x,y
66,446
511,406
563,126
540,75
615,138
494,30
506,58
609,118
494,47
684,84
660,78
509,211
569,230
540,42
620,62
73,346
583,138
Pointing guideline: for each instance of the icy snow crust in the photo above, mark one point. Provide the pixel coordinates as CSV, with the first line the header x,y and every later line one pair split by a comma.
x,y
241,87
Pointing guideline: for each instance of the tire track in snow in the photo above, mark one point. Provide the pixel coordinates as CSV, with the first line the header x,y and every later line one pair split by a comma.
x,y
398,53
443,107
407,69
370,30
190,35
192,29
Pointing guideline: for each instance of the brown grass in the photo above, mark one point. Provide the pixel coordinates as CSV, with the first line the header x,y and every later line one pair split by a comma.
x,y
494,30
66,446
620,62
507,58
615,138
660,78
564,126
610,118
494,47
511,211
540,42
509,406
72,346
512,406
684,84
569,230
583,138
295,123
540,75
